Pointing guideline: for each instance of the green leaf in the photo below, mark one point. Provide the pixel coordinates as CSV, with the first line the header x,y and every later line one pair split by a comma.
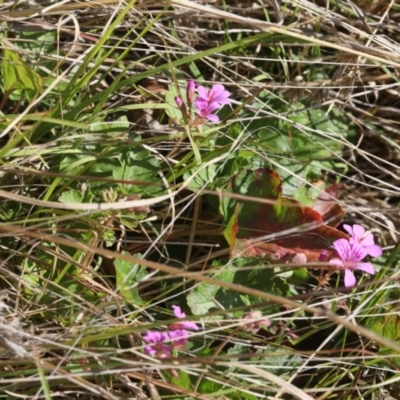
x,y
252,273
201,298
277,360
173,110
183,380
109,238
127,275
38,41
205,178
306,195
209,386
303,139
285,135
217,175
117,127
138,166
387,326
231,229
71,196
300,275
247,271
17,75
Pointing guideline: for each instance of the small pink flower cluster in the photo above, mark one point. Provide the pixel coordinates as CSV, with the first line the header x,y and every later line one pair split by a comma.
x,y
177,335
207,102
352,252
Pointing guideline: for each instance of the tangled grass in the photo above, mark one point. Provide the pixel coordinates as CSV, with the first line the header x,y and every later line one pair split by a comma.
x,y
111,209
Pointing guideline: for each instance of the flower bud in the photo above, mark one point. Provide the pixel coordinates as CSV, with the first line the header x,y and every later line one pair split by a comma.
x,y
190,89
181,105
178,101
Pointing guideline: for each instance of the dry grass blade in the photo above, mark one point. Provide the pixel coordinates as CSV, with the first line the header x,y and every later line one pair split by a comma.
x,y
120,202
258,372
203,278
121,205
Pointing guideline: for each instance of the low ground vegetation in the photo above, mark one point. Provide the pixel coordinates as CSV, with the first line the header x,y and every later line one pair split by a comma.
x,y
199,200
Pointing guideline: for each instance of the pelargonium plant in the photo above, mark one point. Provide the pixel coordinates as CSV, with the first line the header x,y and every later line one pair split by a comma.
x,y
176,336
352,252
205,104
366,240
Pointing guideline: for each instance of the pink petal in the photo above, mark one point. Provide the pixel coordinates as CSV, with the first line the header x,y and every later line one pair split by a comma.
x,y
178,313
205,109
373,251
149,350
337,263
155,336
213,106
357,252
183,325
200,105
213,118
150,336
349,278
217,90
189,325
348,229
179,337
366,267
219,94
358,231
342,246
367,240
203,92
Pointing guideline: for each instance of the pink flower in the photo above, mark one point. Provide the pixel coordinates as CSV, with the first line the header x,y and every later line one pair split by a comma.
x,y
357,233
217,94
157,346
183,324
177,335
205,109
207,102
351,253
178,312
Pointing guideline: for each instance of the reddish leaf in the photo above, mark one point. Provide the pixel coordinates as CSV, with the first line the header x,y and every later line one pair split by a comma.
x,y
325,204
244,248
292,227
274,253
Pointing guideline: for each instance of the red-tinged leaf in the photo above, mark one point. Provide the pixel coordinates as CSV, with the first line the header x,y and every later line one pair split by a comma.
x,y
243,248
273,252
276,254
231,230
296,255
281,221
325,204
